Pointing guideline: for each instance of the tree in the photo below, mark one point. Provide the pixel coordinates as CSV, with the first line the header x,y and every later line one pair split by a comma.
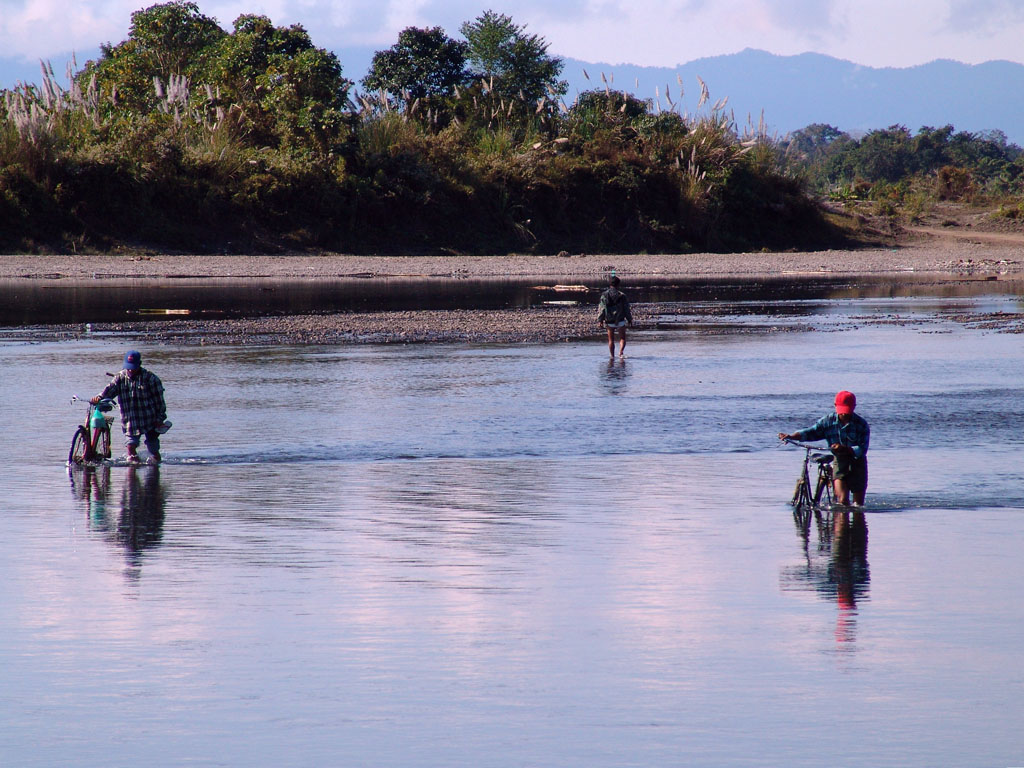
x,y
283,86
885,155
518,63
816,141
167,40
424,63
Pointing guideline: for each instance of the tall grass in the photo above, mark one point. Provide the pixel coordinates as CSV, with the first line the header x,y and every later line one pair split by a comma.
x,y
474,172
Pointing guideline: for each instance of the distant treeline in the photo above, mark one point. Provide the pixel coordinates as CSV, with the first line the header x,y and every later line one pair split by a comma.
x,y
188,137
886,164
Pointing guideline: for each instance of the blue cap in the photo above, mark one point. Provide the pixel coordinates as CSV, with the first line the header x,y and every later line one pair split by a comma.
x,y
132,360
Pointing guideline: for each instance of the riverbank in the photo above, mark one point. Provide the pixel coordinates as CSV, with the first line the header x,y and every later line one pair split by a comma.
x,y
924,252
943,259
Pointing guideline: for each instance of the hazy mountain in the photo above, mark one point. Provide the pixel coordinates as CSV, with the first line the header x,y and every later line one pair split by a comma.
x,y
792,91
795,91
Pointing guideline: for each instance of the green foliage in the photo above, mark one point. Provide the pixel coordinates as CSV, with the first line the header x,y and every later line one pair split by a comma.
x,y
165,41
188,137
513,62
285,91
832,160
423,64
611,112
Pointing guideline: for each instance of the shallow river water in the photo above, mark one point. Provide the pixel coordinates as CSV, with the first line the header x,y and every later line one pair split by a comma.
x,y
524,555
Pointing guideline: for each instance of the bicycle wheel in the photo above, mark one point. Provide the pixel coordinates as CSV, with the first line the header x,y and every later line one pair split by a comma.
x,y
798,493
102,445
823,488
79,452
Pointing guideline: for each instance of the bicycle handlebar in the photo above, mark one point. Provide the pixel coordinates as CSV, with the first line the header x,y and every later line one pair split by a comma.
x,y
805,446
103,400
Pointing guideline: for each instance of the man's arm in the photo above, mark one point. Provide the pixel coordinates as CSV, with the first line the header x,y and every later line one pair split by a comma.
x,y
816,432
108,391
161,405
861,446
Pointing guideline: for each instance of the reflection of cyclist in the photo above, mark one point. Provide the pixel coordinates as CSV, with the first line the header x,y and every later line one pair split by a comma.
x,y
848,435
140,395
142,512
848,569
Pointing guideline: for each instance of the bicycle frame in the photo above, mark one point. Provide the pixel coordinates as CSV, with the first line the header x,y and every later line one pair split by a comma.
x,y
91,442
823,493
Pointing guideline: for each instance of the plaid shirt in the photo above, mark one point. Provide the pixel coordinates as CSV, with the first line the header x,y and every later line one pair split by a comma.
x,y
141,400
856,433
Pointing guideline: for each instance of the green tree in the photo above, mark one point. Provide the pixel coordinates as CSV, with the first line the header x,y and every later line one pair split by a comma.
x,y
518,63
611,111
282,87
166,40
424,63
885,155
816,141
930,148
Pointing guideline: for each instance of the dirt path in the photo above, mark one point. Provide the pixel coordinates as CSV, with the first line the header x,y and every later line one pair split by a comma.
x,y
972,235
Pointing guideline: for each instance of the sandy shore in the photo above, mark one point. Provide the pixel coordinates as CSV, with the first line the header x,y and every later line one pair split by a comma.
x,y
950,255
944,258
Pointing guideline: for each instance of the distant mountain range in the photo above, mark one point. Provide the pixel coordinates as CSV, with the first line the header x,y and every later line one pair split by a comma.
x,y
791,91
796,91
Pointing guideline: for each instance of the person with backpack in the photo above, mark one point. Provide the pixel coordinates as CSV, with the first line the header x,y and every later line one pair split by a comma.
x,y
614,312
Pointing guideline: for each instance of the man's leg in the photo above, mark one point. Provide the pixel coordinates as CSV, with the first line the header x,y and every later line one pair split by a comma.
x,y
862,482
131,446
842,490
622,341
153,446
611,341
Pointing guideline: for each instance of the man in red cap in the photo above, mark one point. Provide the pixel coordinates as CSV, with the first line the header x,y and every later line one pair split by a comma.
x,y
848,436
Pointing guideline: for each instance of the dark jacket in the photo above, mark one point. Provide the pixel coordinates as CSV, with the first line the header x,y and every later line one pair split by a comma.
x,y
614,307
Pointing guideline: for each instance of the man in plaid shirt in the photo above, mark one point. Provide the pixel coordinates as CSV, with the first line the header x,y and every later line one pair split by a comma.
x,y
848,436
140,395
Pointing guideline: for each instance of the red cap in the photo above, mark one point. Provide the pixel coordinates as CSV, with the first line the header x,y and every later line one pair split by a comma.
x,y
845,402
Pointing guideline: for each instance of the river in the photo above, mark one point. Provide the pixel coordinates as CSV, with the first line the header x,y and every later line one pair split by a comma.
x,y
525,555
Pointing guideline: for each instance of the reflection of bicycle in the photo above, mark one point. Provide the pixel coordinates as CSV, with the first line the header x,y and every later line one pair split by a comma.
x,y
822,497
91,442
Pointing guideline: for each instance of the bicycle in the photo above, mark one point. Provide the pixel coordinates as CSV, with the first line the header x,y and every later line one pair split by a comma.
x,y
91,442
823,487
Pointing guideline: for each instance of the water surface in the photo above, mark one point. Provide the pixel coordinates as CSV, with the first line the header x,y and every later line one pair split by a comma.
x,y
525,555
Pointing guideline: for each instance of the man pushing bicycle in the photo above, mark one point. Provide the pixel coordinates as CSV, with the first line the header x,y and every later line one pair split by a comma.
x,y
140,396
848,435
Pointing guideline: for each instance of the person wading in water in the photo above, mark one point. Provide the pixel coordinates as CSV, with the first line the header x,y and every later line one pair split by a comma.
x,y
614,312
848,436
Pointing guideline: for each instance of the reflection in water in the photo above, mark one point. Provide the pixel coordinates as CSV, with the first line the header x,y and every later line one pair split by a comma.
x,y
141,523
113,297
614,376
91,485
140,519
837,567
848,569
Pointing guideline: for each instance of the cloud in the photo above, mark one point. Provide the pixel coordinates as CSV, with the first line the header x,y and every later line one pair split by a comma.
x,y
42,28
984,16
814,19
651,32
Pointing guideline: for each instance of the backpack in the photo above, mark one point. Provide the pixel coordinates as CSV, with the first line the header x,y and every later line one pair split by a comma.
x,y
614,307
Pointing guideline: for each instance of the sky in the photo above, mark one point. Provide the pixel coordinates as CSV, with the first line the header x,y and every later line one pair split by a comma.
x,y
664,33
